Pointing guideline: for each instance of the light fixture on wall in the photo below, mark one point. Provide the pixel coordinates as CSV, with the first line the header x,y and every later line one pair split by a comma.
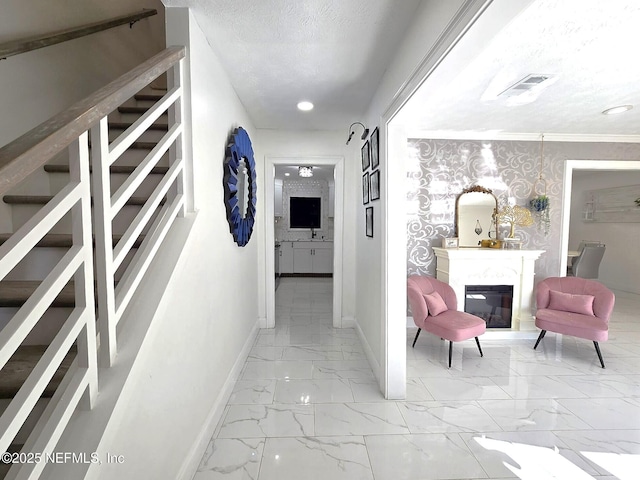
x,y
305,172
352,131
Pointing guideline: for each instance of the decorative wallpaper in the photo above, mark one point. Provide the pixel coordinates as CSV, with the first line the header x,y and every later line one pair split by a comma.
x,y
438,170
304,188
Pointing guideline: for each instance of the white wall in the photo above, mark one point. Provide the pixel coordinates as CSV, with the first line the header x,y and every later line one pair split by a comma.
x,y
430,20
209,312
297,144
620,267
36,85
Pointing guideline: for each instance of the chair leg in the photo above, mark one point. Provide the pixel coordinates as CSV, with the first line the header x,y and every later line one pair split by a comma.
x,y
416,339
599,354
450,352
479,348
540,337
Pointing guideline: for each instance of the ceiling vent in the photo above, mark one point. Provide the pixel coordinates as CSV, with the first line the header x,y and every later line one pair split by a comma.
x,y
529,82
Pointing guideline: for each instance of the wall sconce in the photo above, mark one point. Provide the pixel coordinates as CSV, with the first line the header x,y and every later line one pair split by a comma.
x,y
305,172
352,131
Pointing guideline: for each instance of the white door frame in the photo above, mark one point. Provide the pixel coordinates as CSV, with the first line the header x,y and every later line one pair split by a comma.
x,y
338,172
569,167
394,240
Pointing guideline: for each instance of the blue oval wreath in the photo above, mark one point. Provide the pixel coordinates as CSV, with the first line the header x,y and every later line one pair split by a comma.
x,y
239,148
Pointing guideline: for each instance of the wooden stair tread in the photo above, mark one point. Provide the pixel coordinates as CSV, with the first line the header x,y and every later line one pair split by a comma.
x,y
13,293
21,364
148,97
135,109
125,125
44,199
128,169
59,240
137,145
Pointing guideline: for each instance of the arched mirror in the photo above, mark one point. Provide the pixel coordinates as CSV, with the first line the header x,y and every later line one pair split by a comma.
x,y
475,216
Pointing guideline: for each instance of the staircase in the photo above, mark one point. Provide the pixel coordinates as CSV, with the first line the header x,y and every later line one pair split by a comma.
x,y
134,199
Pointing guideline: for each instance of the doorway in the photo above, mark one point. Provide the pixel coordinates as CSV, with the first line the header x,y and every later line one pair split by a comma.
x,y
337,164
570,167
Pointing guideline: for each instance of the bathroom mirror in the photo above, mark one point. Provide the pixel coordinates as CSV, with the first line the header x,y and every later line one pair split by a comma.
x,y
475,210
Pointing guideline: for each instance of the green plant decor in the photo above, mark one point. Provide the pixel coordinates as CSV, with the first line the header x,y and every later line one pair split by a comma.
x,y
540,206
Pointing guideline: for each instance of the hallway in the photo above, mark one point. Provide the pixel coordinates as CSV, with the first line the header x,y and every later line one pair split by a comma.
x,y
307,405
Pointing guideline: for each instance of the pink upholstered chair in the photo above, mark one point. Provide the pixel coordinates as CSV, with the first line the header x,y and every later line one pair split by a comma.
x,y
434,309
574,306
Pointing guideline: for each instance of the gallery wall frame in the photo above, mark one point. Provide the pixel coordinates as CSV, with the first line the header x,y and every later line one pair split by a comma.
x,y
369,222
375,185
375,149
366,160
365,188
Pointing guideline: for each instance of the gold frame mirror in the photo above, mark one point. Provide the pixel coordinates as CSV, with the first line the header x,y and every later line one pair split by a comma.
x,y
476,208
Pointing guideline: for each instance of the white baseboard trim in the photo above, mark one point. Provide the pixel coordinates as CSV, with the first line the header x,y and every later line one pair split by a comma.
x,y
349,322
262,322
375,366
190,464
623,287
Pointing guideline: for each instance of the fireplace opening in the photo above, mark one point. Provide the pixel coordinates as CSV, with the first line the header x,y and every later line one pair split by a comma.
x,y
493,303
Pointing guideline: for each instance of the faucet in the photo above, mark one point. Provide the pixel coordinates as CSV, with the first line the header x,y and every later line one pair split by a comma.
x,y
313,233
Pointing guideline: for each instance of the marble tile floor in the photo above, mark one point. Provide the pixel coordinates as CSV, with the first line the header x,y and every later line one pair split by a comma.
x,y
307,405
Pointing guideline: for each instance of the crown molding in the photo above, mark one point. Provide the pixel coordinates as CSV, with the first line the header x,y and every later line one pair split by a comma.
x,y
527,137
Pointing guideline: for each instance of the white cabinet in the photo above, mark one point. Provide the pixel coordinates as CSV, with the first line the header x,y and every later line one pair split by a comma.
x,y
312,257
286,257
322,260
278,209
302,260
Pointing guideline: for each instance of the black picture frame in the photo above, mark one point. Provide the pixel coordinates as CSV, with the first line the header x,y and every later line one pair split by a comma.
x,y
374,187
369,222
365,188
375,149
364,151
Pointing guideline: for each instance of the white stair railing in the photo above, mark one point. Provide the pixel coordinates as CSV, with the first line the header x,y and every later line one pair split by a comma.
x,y
79,328
112,300
19,159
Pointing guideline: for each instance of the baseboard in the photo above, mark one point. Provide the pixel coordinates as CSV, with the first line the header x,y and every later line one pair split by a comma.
x,y
312,275
348,322
262,322
190,464
375,366
623,287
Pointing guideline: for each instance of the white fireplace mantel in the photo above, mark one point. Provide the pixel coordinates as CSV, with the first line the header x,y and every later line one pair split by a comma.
x,y
460,267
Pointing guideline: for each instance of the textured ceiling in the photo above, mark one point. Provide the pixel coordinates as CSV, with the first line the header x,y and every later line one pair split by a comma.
x,y
334,53
590,46
279,52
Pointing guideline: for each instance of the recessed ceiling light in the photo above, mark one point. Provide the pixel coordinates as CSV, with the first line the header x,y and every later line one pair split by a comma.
x,y
286,174
619,109
305,106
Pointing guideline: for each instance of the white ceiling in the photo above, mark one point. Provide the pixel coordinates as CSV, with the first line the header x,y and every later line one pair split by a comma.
x,y
589,46
334,53
279,52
